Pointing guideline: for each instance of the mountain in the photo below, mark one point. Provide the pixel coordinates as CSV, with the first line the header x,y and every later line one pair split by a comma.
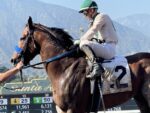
x,y
139,22
131,40
15,13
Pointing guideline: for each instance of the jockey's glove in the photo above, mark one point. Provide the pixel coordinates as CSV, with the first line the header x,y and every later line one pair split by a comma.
x,y
76,42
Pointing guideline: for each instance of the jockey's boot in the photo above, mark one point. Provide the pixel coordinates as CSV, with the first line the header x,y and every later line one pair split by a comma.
x,y
97,68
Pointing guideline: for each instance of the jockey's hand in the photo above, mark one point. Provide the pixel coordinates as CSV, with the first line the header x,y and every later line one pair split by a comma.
x,y
76,42
19,65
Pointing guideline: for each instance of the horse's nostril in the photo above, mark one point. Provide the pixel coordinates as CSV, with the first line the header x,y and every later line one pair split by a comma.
x,y
12,60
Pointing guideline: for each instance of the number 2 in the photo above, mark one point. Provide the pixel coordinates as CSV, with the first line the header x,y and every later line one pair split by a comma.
x,y
123,73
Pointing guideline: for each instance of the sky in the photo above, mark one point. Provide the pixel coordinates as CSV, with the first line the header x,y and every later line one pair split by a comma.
x,y
114,8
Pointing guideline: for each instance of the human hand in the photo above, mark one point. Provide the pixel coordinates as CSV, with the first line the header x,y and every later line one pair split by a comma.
x,y
19,65
76,42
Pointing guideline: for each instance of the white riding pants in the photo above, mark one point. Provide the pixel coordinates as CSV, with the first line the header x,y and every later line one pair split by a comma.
x,y
105,50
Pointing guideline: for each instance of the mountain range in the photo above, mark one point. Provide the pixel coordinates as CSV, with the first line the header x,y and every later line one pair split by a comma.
x,y
133,31
139,22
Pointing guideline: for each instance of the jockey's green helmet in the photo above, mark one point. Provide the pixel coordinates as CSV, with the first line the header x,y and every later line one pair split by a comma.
x,y
87,4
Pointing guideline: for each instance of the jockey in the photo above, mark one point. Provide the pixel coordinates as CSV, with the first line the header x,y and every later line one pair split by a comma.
x,y
101,28
11,72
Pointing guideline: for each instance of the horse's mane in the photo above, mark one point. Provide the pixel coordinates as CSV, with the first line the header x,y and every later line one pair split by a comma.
x,y
61,37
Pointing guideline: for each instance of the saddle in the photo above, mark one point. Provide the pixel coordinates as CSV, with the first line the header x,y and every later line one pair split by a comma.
x,y
116,77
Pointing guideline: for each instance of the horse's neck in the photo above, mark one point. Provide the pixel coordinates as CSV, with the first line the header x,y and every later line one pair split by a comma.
x,y
49,50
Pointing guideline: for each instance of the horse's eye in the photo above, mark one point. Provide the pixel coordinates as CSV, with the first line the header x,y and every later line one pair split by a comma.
x,y
22,38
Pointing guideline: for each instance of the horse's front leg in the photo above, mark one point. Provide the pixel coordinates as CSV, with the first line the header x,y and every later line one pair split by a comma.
x,y
59,110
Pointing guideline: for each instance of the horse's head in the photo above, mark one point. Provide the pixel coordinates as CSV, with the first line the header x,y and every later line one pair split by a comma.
x,y
36,38
27,48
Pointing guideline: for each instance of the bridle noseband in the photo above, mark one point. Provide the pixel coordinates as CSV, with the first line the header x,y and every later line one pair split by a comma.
x,y
21,51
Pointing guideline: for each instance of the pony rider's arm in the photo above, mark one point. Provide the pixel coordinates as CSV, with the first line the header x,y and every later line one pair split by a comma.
x,y
10,72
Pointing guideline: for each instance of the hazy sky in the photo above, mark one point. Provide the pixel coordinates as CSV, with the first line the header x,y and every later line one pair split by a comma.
x,y
114,8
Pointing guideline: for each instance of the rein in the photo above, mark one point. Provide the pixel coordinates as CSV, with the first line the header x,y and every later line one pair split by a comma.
x,y
66,54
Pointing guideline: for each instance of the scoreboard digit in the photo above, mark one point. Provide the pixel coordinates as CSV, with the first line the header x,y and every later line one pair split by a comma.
x,y
3,101
47,100
37,100
24,100
14,101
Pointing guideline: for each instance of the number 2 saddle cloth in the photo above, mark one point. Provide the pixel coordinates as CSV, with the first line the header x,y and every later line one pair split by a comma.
x,y
117,77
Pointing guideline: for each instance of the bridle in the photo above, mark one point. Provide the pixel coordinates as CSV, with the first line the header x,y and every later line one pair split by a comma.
x,y
21,53
29,38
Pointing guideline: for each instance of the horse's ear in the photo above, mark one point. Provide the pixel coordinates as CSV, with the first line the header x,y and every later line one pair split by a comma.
x,y
30,23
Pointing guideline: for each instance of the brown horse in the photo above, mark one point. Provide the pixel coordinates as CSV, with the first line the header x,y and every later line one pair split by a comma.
x,y
71,88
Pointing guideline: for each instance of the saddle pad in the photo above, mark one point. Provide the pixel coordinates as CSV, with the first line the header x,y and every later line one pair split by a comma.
x,y
117,76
